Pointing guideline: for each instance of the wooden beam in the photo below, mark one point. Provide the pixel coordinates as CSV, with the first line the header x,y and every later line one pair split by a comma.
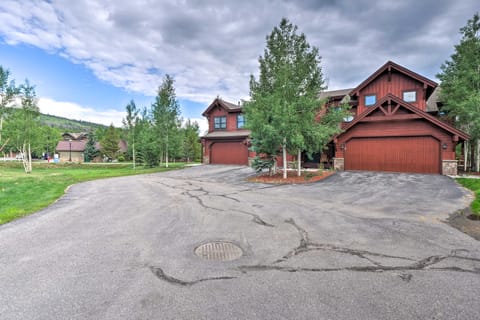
x,y
391,118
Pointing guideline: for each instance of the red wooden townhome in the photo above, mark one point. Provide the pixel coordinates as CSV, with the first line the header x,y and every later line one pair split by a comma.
x,y
394,126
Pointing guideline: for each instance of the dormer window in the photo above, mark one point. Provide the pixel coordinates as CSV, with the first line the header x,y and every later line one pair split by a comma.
x,y
220,122
240,121
370,100
409,96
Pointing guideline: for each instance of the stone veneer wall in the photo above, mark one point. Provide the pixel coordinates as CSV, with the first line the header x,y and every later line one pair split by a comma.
x,y
339,164
449,167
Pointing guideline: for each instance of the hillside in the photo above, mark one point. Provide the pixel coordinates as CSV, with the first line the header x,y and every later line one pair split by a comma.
x,y
69,125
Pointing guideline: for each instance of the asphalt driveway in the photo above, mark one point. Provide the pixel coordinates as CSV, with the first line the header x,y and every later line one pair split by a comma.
x,y
356,245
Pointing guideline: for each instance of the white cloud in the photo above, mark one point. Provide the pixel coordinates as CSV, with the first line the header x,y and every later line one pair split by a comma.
x,y
211,48
75,111
71,110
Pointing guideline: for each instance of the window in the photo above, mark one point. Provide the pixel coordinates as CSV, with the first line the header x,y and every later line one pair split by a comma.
x,y
240,121
370,100
409,96
348,119
220,122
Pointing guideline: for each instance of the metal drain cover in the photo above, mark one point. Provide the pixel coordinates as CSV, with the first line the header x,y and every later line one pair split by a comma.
x,y
219,251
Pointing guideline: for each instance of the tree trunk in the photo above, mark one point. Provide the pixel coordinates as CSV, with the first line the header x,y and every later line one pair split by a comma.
x,y
166,154
465,156
133,153
299,167
477,162
284,154
472,156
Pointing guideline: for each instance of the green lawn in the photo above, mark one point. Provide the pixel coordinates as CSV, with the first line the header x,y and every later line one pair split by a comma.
x,y
474,185
22,194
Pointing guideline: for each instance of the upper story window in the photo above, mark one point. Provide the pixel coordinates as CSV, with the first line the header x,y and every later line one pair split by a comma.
x,y
370,100
240,121
409,96
348,119
220,122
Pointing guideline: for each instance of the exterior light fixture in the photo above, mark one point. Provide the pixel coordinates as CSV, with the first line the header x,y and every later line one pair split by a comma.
x,y
444,146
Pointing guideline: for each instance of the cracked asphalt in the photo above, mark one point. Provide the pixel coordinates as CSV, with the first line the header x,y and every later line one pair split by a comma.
x,y
357,245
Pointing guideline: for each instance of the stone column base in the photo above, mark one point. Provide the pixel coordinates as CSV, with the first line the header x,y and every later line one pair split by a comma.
x,y
339,164
206,160
449,167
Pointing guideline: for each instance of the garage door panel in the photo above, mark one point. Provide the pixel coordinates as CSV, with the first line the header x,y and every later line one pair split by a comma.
x,y
402,154
229,153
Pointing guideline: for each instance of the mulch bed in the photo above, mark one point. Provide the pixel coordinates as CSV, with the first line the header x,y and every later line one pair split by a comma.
x,y
292,178
462,221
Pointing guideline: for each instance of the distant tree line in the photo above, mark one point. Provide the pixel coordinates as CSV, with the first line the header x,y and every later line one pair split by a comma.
x,y
154,135
157,135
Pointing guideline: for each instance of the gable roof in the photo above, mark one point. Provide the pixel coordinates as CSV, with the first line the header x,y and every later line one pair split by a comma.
x,y
75,135
77,146
390,65
228,106
408,106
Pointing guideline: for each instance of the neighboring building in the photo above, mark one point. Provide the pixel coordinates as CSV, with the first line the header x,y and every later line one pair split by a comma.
x,y
394,127
72,147
226,141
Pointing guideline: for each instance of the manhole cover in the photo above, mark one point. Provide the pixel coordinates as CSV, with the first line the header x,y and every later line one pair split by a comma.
x,y
219,251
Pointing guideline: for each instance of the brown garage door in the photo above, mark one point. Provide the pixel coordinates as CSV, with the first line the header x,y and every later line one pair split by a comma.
x,y
402,154
229,153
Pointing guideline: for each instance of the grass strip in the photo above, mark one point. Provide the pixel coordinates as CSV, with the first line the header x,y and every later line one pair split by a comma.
x,y
22,194
474,185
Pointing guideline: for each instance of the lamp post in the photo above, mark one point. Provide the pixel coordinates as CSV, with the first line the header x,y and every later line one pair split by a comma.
x,y
70,143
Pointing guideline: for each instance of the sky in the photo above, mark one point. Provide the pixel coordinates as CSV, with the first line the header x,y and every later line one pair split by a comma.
x,y
88,59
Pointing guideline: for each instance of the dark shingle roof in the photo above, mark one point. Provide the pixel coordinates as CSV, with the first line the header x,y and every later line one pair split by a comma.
x,y
230,107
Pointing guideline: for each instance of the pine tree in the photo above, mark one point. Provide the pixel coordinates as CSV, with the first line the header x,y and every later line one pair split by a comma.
x,y
109,144
91,150
460,83
191,145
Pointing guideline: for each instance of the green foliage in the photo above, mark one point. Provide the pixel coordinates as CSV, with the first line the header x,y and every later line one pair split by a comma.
x,y
460,81
460,76
109,143
192,149
166,119
68,125
22,194
474,185
91,150
284,100
8,91
147,143
130,125
260,164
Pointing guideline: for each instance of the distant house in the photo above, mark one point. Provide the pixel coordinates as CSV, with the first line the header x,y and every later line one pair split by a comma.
x,y
72,147
395,125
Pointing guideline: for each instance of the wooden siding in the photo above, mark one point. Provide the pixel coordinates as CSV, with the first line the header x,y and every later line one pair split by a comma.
x,y
395,84
220,112
393,154
229,153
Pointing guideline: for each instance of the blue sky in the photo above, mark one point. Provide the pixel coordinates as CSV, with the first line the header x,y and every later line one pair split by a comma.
x,y
89,59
